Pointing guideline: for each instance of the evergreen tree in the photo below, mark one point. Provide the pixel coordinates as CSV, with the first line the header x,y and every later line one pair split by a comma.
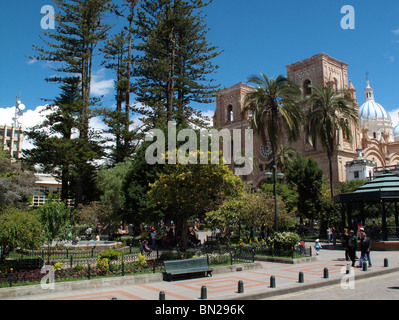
x,y
118,57
306,177
55,147
115,52
174,64
80,28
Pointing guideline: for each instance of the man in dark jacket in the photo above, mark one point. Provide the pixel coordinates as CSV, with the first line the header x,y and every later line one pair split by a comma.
x,y
352,246
365,246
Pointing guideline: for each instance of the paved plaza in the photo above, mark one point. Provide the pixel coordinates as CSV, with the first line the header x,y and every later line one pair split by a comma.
x,y
223,285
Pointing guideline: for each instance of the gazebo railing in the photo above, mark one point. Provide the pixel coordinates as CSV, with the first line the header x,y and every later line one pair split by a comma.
x,y
392,233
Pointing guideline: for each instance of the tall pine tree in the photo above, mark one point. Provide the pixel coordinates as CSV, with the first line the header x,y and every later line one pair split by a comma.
x,y
174,65
118,57
79,30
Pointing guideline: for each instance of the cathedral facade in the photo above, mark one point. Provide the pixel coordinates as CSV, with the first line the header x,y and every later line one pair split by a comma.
x,y
375,143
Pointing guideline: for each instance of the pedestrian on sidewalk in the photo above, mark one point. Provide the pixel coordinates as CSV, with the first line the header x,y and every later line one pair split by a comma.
x,y
334,235
329,233
153,238
352,246
365,246
344,243
317,246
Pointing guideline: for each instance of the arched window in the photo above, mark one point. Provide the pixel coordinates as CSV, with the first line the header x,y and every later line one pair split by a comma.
x,y
307,90
230,115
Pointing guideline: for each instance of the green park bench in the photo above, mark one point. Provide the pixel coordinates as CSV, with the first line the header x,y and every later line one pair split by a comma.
x,y
185,267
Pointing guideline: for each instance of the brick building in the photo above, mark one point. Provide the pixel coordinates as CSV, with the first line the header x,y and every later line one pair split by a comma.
x,y
375,140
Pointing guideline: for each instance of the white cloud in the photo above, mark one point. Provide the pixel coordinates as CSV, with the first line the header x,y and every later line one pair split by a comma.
x,y
396,31
32,61
99,85
395,116
6,116
29,119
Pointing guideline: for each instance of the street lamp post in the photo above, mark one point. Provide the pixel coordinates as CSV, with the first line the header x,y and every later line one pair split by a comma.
x,y
280,176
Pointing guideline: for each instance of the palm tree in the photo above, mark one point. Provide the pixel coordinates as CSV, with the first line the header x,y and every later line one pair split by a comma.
x,y
330,111
284,156
275,105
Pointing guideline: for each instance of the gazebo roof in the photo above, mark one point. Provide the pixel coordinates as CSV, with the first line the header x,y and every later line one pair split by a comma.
x,y
384,187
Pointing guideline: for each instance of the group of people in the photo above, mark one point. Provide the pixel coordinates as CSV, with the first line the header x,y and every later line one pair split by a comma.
x,y
169,238
351,243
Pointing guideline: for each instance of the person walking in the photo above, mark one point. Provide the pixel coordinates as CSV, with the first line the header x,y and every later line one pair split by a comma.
x,y
153,238
334,236
329,234
365,246
317,246
344,243
352,246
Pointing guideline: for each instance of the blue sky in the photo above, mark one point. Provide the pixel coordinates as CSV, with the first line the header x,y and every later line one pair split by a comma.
x,y
256,36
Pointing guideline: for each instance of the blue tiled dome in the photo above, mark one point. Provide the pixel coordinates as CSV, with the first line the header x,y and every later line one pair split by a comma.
x,y
372,110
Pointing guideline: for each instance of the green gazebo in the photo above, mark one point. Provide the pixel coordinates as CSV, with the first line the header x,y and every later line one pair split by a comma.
x,y
384,189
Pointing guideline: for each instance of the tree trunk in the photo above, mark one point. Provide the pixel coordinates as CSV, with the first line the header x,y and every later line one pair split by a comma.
x,y
171,78
128,71
182,233
331,175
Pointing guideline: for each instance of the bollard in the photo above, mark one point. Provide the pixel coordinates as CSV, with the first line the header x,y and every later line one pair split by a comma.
x,y
364,266
386,264
325,273
272,282
300,279
11,276
162,295
348,269
240,287
203,293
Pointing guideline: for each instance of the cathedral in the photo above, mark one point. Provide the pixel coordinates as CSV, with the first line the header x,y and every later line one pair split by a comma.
x,y
375,144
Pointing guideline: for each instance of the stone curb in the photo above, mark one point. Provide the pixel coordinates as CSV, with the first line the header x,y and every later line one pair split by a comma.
x,y
286,260
303,287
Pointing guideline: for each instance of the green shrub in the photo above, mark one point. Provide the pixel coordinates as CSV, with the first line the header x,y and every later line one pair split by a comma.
x,y
58,266
78,267
110,255
141,260
103,263
284,241
169,255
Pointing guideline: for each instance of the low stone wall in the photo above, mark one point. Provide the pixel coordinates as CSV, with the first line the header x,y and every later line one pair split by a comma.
x,y
385,245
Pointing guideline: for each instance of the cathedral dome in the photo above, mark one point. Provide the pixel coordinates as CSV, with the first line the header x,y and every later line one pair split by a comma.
x,y
396,131
371,110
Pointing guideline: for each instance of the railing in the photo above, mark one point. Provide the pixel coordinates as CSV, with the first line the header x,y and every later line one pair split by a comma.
x,y
68,267
392,233
13,273
84,271
67,253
